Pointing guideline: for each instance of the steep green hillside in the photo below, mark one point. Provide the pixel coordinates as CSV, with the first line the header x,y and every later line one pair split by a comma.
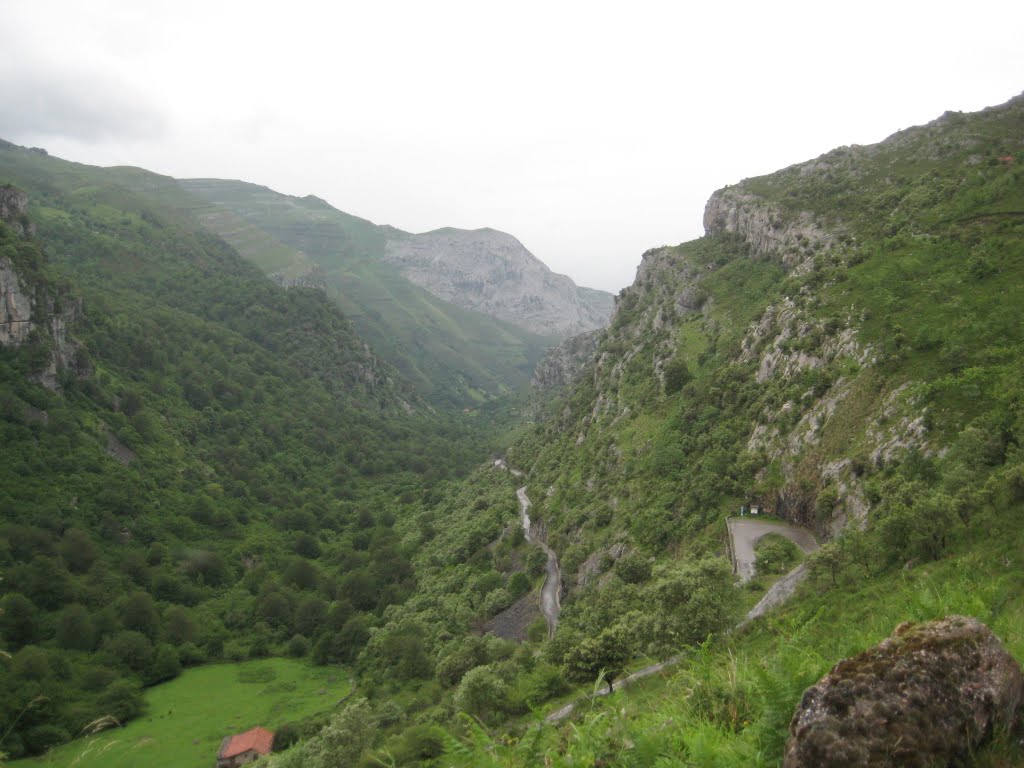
x,y
844,347
198,464
453,356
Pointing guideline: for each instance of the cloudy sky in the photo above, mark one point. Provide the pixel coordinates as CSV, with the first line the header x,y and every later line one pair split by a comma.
x,y
591,131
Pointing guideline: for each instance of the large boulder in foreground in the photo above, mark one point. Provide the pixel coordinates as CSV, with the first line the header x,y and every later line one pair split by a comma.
x,y
928,695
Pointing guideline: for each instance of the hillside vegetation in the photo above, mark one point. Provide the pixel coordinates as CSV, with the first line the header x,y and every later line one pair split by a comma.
x,y
198,464
844,347
455,357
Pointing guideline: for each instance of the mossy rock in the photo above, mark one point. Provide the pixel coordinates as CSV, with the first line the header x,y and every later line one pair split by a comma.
x,y
928,695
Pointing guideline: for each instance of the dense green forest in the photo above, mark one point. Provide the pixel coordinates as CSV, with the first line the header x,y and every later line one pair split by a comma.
x,y
212,472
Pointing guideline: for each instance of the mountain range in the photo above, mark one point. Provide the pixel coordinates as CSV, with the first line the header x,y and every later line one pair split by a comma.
x,y
226,439
461,314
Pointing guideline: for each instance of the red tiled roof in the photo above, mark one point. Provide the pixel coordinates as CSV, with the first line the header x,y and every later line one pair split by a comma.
x,y
257,739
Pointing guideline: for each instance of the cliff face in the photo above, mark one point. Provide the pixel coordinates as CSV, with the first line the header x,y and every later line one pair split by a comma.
x,y
14,210
562,364
491,272
791,238
15,307
32,311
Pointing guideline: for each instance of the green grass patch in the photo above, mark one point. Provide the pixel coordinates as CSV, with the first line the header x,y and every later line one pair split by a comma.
x,y
187,718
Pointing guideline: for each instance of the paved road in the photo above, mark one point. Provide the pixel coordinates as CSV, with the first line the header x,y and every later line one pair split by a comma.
x,y
778,594
744,533
550,593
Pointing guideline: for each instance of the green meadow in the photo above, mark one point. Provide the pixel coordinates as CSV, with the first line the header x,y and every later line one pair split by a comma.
x,y
187,718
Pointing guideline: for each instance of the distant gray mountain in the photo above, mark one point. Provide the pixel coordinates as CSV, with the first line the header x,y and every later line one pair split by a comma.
x,y
491,272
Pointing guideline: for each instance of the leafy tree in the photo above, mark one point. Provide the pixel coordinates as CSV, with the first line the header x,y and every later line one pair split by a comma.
x,y
75,628
46,582
129,649
122,700
166,665
298,646
139,613
275,608
918,525
206,567
310,615
470,652
775,554
518,584
677,375
301,574
633,568
481,694
285,736
693,602
340,744
19,620
77,550
343,646
605,655
179,628
829,559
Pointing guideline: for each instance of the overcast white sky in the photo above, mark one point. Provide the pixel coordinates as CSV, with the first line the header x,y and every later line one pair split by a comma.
x,y
591,131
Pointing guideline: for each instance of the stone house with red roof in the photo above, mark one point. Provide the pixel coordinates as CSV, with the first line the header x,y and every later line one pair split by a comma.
x,y
245,747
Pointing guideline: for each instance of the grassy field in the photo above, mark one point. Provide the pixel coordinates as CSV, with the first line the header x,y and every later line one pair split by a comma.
x,y
187,717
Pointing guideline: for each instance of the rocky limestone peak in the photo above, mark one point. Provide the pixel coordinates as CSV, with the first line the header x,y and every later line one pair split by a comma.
x,y
493,273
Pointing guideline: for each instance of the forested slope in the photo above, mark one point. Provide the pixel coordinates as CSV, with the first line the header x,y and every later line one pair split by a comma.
x,y
198,464
455,357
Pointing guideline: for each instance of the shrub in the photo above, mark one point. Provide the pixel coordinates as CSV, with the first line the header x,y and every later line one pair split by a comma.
x,y
633,568
298,646
775,554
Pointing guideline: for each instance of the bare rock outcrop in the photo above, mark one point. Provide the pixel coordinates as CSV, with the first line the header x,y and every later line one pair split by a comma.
x,y
493,273
562,364
30,305
930,694
767,229
15,307
14,210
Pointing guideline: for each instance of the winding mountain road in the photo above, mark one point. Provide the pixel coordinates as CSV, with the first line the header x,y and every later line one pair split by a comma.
x,y
744,533
550,593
